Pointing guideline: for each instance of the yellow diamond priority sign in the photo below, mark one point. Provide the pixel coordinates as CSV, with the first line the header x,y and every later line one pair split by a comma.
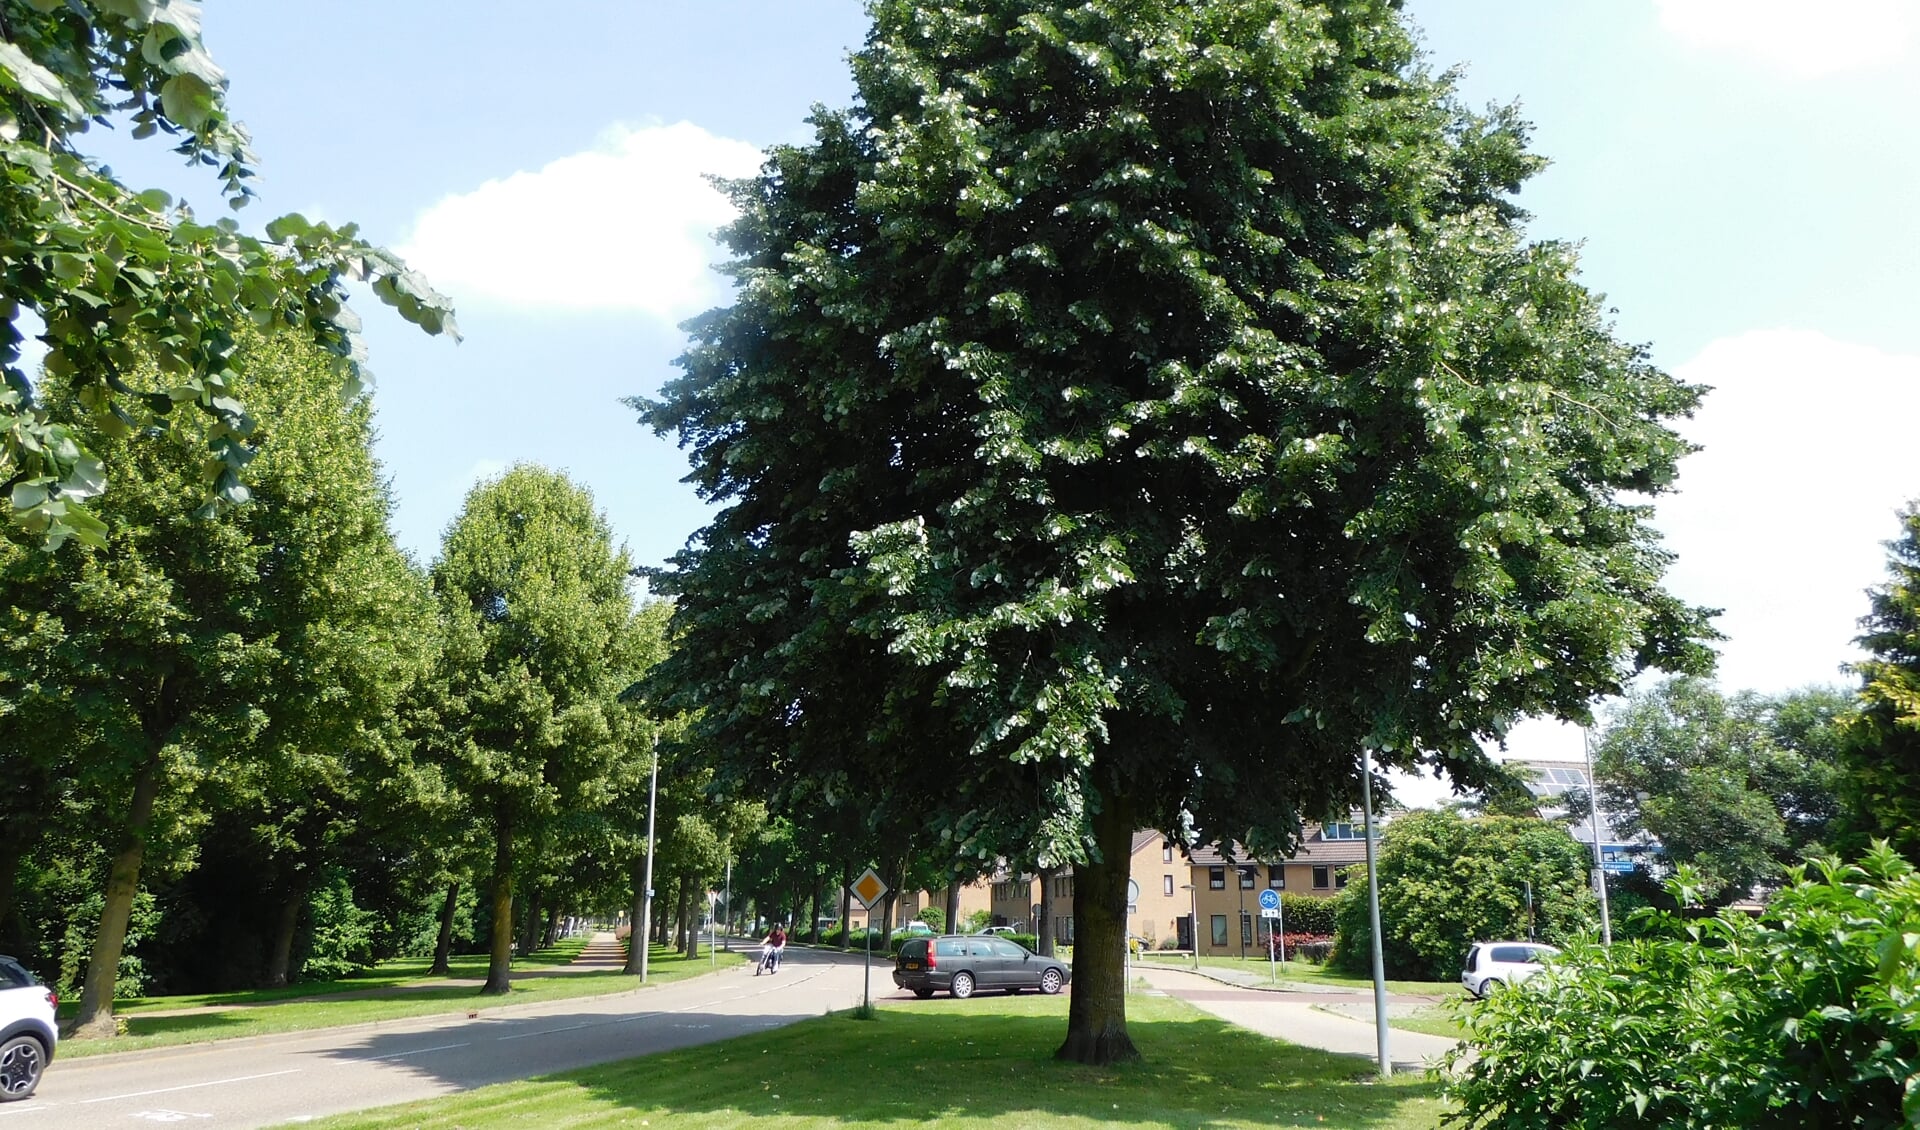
x,y
869,889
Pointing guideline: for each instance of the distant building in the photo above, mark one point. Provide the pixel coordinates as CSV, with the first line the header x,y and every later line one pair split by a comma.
x,y
1550,781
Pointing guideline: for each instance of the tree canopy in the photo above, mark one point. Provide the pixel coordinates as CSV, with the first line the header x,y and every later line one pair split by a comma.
x,y
1881,776
1738,787
121,278
1155,403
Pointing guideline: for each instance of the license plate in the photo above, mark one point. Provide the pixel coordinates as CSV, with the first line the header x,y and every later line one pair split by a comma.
x,y
913,965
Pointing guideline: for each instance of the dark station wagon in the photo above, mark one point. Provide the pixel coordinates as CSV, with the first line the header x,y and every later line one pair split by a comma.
x,y
964,964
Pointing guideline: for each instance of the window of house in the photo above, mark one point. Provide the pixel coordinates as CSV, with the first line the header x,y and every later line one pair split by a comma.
x,y
1322,878
1345,830
1063,887
1166,884
1246,929
1219,923
1063,929
1216,878
1277,877
1340,877
1166,853
1246,878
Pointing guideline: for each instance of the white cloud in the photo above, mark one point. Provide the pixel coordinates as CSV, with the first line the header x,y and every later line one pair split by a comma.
x,y
624,226
1781,518
1806,38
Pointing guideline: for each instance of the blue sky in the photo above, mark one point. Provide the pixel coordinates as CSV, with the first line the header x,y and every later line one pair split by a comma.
x,y
1740,174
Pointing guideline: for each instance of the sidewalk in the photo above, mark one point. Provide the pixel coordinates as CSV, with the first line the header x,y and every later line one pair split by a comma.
x,y
1270,1012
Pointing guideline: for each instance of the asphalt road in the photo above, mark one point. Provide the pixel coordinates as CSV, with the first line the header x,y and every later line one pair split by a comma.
x,y
270,1080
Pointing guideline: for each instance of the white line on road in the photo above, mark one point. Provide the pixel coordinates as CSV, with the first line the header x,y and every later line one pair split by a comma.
x,y
405,1054
189,1086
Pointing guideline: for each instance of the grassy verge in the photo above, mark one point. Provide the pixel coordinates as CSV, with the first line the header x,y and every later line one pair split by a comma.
x,y
956,1065
1434,1020
404,992
1306,974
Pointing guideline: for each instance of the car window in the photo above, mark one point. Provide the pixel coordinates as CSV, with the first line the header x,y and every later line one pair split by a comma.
x,y
950,947
1518,955
913,951
1471,960
1004,948
14,975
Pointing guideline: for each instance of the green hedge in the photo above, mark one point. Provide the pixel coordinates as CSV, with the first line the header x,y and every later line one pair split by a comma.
x,y
1307,914
1808,1018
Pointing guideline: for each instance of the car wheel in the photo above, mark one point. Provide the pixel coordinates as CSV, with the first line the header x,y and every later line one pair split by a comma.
x,y
1491,986
923,994
22,1059
962,986
1050,982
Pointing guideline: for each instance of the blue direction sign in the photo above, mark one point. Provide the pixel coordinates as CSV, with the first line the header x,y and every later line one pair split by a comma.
x,y
1269,899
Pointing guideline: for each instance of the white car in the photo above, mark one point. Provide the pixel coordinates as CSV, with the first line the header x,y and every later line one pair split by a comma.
x,y
1495,965
27,1032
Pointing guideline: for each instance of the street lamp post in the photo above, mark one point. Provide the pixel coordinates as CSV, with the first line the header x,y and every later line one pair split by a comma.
x,y
1193,902
1373,914
646,906
1599,860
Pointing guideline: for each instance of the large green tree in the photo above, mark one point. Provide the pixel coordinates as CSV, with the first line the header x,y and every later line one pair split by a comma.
x,y
1739,787
1881,761
1155,402
122,278
536,609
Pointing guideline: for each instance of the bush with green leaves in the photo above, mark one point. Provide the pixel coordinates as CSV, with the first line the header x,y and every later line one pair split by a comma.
x,y
1308,914
1447,881
1810,1017
934,917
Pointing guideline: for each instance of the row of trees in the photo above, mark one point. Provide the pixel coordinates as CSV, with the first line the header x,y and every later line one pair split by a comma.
x,y
276,691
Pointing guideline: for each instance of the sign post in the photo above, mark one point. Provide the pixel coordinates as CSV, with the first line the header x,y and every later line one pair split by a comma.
x,y
1126,930
1276,937
869,888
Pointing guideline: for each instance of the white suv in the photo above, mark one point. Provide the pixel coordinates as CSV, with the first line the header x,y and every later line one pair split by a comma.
x,y
27,1034
1494,965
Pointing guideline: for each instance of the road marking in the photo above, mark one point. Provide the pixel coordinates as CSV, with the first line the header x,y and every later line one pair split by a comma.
x,y
167,1115
188,1086
405,1054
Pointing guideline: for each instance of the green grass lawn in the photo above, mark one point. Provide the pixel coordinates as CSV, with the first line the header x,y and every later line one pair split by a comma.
x,y
1433,1020
980,1063
1306,974
407,992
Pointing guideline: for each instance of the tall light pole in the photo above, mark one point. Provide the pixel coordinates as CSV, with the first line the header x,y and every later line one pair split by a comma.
x,y
646,907
1373,914
729,941
1599,860
1193,897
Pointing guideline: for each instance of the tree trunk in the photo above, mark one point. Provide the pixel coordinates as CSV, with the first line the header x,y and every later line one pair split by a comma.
x,y
123,881
846,907
551,935
500,936
953,904
692,896
636,937
813,916
12,848
443,945
683,917
530,922
286,921
1043,921
1097,1012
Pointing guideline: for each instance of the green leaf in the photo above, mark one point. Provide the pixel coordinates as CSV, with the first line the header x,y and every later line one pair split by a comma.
x,y
188,101
34,80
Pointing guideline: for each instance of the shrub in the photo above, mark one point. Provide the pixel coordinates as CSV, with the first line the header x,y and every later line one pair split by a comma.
x,y
1809,1018
1031,941
342,938
934,917
976,922
1308,914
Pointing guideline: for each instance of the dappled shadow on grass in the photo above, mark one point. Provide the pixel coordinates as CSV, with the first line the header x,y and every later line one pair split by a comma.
x,y
961,1063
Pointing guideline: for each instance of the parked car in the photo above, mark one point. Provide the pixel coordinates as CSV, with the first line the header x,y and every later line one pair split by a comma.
x,y
915,929
27,1033
963,964
1494,965
988,930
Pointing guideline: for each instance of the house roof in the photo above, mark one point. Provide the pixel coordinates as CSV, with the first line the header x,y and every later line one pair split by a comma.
x,y
1314,848
1143,838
